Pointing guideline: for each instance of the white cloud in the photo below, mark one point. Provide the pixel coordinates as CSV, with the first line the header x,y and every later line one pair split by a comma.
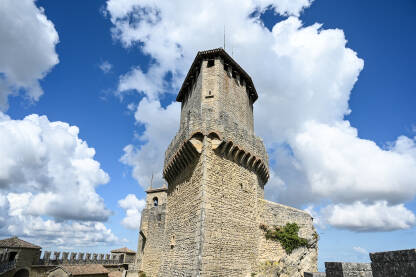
x,y
27,49
133,207
304,89
50,169
360,250
161,125
48,177
370,217
105,66
341,167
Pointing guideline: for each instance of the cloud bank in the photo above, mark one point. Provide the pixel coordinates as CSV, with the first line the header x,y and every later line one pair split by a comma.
x,y
48,178
304,76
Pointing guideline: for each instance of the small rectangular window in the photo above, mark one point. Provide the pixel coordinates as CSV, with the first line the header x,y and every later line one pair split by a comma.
x,y
210,63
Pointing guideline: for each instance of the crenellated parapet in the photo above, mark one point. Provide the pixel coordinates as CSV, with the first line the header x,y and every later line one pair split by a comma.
x,y
190,149
59,258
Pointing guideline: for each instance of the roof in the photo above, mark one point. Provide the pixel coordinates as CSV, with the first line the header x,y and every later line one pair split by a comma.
x,y
218,52
88,269
123,250
15,242
150,190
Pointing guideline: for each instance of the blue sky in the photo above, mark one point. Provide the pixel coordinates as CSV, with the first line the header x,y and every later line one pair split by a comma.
x,y
146,69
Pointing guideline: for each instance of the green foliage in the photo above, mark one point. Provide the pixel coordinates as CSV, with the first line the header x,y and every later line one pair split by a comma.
x,y
142,274
286,235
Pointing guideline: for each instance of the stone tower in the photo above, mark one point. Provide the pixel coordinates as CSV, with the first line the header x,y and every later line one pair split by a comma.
x,y
152,227
216,169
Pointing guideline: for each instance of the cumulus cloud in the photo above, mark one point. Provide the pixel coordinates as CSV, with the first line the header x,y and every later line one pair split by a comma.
x,y
51,168
133,208
161,125
304,89
105,66
27,49
370,217
48,177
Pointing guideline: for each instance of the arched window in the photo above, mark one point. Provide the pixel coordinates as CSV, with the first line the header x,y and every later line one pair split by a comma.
x,y
155,201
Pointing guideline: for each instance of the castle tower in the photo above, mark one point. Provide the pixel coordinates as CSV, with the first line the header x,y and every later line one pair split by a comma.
x,y
216,169
152,227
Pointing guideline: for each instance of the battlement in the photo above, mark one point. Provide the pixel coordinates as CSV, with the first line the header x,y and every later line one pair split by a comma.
x,y
46,258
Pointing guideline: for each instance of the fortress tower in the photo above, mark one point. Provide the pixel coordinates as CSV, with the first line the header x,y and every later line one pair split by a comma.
x,y
216,169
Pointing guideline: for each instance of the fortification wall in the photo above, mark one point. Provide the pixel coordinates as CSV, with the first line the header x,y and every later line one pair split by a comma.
x,y
336,269
303,259
231,226
183,222
394,263
77,258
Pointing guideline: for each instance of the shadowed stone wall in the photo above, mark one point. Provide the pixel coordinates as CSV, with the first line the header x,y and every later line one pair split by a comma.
x,y
335,269
394,263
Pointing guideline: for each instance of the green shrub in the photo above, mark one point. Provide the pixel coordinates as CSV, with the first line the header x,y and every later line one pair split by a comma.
x,y
142,274
286,235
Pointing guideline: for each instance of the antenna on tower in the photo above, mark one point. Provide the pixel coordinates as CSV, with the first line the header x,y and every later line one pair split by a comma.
x,y
151,182
224,36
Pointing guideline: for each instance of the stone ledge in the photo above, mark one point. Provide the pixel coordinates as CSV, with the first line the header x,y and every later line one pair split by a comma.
x,y
314,274
394,256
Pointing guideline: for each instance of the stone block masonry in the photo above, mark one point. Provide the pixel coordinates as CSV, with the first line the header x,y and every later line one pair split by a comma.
x,y
216,169
337,269
400,263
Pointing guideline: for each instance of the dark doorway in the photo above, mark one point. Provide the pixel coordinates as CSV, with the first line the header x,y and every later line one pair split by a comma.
x,y
21,273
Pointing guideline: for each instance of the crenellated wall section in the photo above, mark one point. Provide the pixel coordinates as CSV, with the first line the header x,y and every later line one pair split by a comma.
x,y
57,258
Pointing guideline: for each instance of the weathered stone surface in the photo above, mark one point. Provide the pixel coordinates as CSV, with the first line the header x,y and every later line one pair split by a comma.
x,y
338,269
152,228
394,263
216,169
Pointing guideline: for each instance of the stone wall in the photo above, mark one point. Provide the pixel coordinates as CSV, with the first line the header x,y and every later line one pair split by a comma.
x,y
218,102
231,220
183,222
301,259
394,263
151,238
336,269
77,258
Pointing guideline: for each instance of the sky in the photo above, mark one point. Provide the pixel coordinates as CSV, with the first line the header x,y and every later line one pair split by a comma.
x,y
87,109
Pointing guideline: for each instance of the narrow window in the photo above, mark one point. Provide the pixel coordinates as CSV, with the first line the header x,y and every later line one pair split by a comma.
x,y
209,95
210,63
155,201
